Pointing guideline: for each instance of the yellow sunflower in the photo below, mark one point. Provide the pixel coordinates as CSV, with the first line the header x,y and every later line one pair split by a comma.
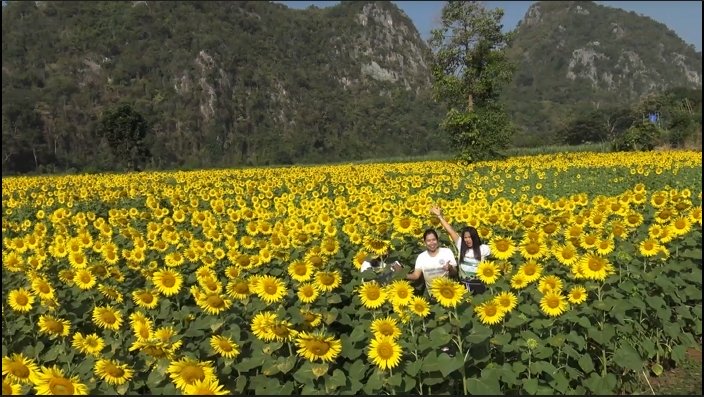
x,y
447,292
224,346
111,293
52,381
507,301
490,312
84,279
307,293
113,371
488,272
577,295
89,344
376,246
187,371
553,304
42,288
145,298
327,281
261,324
605,246
300,271
385,353
213,303
565,254
649,247
502,248
282,331
531,271
533,249
399,292
270,289
238,288
385,327
419,306
595,267
10,389
372,295
18,368
318,346
311,319
20,300
107,317
168,282
53,326
208,386
550,283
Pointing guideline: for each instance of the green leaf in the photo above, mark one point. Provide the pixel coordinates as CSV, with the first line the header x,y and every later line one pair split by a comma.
x,y
679,352
478,334
337,379
603,337
439,337
486,385
449,364
411,367
530,385
585,362
430,363
374,383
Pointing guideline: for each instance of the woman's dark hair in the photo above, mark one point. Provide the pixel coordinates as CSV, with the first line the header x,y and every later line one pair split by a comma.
x,y
429,232
375,262
476,242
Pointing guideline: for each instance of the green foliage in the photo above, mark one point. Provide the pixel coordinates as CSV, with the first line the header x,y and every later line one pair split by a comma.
x,y
642,136
231,84
577,57
480,134
469,68
125,131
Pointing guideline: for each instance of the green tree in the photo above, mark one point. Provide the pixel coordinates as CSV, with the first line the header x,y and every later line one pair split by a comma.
x,y
125,130
469,69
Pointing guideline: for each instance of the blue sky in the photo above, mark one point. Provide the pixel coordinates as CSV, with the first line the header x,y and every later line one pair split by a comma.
x,y
683,17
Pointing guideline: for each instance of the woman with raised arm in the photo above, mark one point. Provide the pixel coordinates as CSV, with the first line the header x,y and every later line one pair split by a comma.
x,y
471,252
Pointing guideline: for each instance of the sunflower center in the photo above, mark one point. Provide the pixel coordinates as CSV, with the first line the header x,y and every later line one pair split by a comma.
x,y
192,373
144,332
215,301
44,289
405,223
309,317
373,293
502,245
505,302
488,272
447,292
553,302
114,371
202,391
22,299
61,386
568,253
490,310
241,288
6,389
532,248
225,346
419,307
91,342
576,294
168,280
85,278
108,317
19,370
318,347
326,279
271,289
385,350
300,270
402,293
590,240
308,291
146,297
595,265
529,270
54,326
386,329
280,330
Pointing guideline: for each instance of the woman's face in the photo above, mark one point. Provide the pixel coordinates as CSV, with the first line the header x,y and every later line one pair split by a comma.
x,y
467,239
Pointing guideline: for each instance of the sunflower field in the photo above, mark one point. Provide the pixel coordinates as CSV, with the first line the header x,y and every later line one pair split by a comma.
x,y
247,281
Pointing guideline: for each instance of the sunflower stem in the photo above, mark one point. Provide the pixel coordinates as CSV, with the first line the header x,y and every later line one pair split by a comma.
x,y
461,352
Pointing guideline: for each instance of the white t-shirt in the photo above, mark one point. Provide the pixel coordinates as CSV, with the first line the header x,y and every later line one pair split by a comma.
x,y
432,266
366,265
469,265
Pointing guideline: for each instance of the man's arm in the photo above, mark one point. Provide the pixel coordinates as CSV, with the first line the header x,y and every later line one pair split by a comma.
x,y
414,275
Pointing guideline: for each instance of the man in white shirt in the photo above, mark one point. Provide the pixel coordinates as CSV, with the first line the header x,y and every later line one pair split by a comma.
x,y
434,262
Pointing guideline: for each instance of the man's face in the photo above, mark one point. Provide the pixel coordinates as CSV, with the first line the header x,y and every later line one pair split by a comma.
x,y
431,243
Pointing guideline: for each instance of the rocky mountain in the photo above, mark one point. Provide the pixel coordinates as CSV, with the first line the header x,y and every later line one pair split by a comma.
x,y
575,56
220,83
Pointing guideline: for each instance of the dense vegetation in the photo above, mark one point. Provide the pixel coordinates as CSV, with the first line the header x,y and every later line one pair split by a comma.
x,y
222,84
